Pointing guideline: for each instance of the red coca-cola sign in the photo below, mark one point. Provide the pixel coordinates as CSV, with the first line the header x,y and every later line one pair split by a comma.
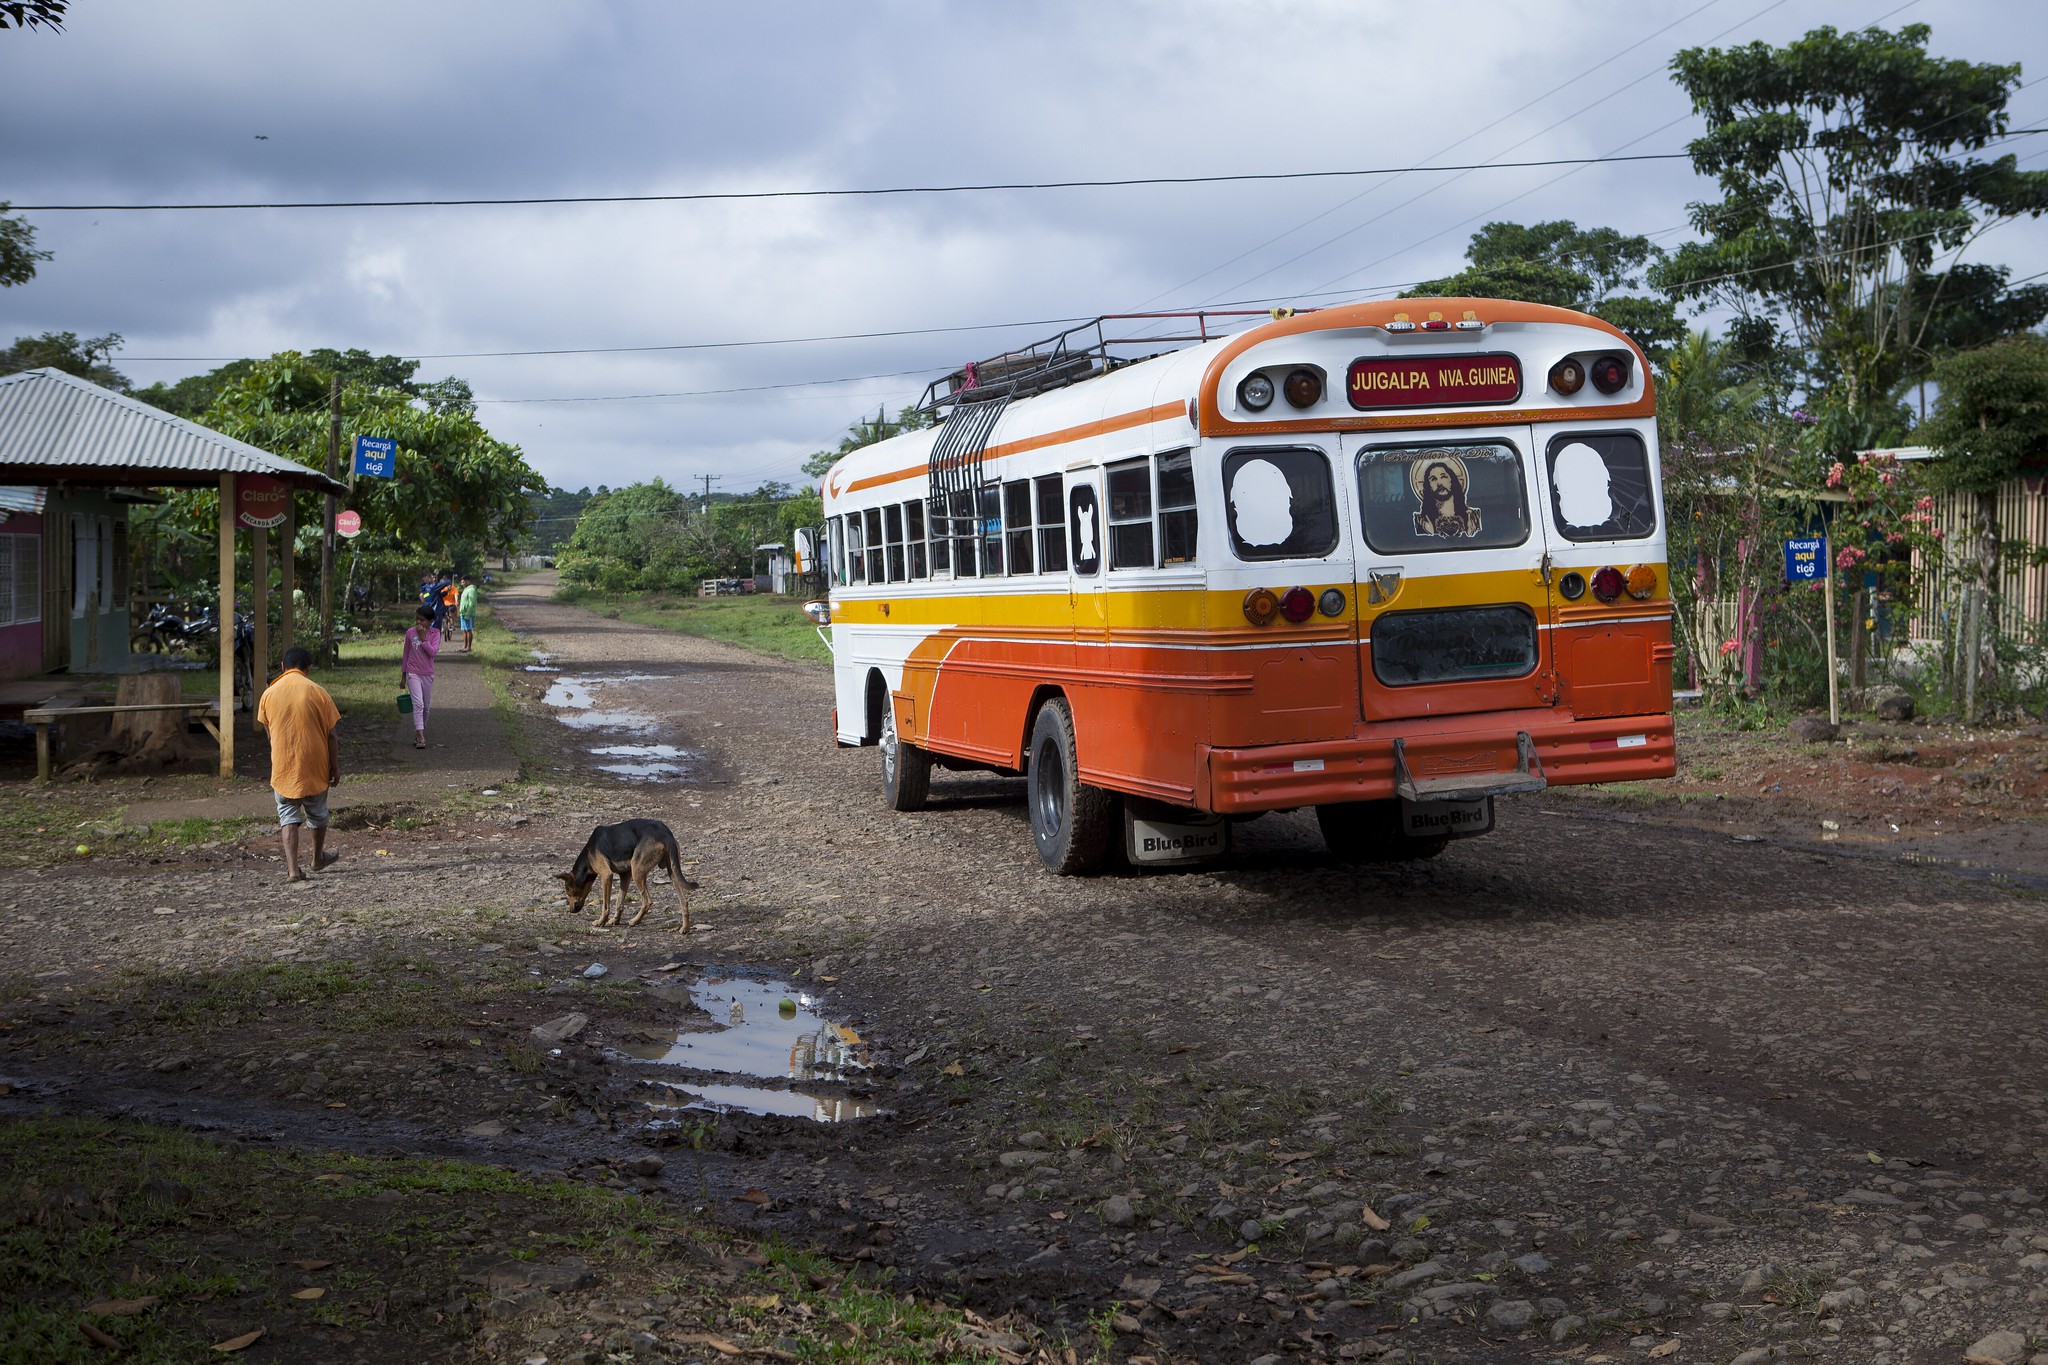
x,y
1434,381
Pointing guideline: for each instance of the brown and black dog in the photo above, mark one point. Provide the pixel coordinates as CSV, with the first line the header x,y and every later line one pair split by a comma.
x,y
628,851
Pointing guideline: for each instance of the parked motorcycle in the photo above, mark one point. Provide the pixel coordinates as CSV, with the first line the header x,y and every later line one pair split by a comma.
x,y
164,631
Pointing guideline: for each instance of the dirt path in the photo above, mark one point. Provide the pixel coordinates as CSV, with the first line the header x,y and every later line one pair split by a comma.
x,y
1576,1090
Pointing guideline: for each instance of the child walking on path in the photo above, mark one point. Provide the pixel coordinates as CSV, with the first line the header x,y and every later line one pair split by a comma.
x,y
465,613
416,669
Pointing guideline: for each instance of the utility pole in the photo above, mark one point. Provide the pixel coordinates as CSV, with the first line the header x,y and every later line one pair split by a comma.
x,y
327,651
708,480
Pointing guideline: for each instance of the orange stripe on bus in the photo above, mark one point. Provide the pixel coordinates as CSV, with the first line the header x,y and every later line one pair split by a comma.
x,y
1123,422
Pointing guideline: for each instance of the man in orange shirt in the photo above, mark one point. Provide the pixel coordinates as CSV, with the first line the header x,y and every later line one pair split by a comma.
x,y
300,717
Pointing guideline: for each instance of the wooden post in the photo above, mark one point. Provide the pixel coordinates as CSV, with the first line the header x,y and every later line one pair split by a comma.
x,y
1827,587
288,576
327,526
224,614
1859,637
259,599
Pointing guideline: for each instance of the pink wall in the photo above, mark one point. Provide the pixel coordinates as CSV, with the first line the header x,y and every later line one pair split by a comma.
x,y
21,647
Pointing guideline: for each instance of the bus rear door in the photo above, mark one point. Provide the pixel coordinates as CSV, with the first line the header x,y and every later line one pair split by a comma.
x,y
1455,598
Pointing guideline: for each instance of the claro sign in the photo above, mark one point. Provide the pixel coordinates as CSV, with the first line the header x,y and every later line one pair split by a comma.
x,y
261,502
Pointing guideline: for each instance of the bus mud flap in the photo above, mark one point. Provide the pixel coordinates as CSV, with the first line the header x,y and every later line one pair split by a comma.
x,y
1527,776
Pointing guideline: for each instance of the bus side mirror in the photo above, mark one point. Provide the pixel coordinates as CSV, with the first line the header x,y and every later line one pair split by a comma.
x,y
819,612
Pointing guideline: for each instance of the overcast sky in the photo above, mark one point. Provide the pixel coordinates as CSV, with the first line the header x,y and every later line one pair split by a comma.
x,y
207,100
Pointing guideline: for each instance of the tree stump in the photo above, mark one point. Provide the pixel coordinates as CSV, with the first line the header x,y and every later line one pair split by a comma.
x,y
142,741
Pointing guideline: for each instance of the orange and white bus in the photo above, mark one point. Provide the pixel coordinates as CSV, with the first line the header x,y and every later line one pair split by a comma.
x,y
1386,560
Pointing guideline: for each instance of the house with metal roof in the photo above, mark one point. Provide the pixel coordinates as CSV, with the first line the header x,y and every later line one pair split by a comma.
x,y
74,457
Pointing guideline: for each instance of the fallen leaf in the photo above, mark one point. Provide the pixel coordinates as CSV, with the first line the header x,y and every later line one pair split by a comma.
x,y
717,1344
760,1197
1669,1348
1285,1157
1058,1215
762,1300
123,1308
1875,1159
99,1338
1234,1257
954,1069
240,1343
332,1177
310,1292
336,1104
1373,1220
312,1265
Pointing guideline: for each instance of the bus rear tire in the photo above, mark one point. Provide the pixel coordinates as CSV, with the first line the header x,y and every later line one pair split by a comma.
x,y
906,769
1072,823
1370,832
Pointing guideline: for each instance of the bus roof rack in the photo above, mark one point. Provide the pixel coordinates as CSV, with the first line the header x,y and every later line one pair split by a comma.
x,y
1070,356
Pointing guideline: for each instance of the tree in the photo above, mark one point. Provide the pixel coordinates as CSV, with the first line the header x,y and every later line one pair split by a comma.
x,y
32,13
865,432
1846,168
1594,270
89,359
1990,423
18,254
191,396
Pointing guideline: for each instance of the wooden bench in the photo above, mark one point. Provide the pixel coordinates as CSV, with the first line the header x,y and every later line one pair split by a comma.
x,y
65,708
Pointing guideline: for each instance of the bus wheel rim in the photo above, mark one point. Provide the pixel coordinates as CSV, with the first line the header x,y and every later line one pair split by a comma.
x,y
888,744
1052,789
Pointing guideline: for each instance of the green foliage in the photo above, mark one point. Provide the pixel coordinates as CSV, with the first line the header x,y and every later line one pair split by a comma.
x,y
866,432
1845,167
1991,419
1594,270
90,359
649,537
191,396
555,511
32,13
18,254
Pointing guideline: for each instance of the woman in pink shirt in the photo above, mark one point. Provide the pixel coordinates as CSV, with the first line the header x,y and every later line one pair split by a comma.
x,y
416,670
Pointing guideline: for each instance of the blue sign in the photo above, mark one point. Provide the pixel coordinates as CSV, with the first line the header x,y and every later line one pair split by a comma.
x,y
376,456
1806,561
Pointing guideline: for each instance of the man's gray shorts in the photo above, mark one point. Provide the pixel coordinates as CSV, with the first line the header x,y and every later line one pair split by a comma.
x,y
304,810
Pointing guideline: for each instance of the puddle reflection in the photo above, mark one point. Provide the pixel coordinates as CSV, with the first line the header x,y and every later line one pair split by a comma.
x,y
647,762
768,1029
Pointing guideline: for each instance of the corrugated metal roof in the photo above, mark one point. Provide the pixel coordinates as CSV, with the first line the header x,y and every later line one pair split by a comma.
x,y
21,499
58,422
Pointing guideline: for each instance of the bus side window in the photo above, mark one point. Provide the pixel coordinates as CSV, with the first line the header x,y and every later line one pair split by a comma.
x,y
1130,515
913,534
991,530
1052,530
1177,524
856,564
936,523
873,540
964,562
1086,531
1017,518
892,521
835,546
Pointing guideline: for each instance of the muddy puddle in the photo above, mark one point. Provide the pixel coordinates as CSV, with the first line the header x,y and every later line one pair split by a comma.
x,y
764,1029
632,756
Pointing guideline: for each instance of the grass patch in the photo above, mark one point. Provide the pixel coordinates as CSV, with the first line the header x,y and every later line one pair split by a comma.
x,y
769,625
170,1244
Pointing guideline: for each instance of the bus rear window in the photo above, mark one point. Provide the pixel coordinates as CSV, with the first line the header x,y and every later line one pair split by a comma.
x,y
1442,497
1281,504
1600,486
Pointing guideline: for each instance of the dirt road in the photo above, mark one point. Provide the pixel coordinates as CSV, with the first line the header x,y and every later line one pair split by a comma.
x,y
1581,1089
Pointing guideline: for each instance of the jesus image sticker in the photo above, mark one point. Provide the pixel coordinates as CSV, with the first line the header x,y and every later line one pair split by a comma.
x,y
1442,487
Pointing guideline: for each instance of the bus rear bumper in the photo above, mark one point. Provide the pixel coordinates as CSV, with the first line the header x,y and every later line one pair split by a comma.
x,y
1571,753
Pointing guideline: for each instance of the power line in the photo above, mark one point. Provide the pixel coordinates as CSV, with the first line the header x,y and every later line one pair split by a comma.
x,y
745,195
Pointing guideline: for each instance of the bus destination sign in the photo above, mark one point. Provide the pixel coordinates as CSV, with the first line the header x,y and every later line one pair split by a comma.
x,y
1434,381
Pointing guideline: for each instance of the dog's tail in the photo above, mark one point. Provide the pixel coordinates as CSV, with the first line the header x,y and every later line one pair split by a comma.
x,y
675,864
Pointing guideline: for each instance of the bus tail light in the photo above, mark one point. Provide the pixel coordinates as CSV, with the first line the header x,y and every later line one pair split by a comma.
x,y
1642,581
1470,322
1331,603
1567,377
1256,392
1610,373
1298,605
1304,388
1260,606
1572,586
1608,583
1435,323
1400,324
